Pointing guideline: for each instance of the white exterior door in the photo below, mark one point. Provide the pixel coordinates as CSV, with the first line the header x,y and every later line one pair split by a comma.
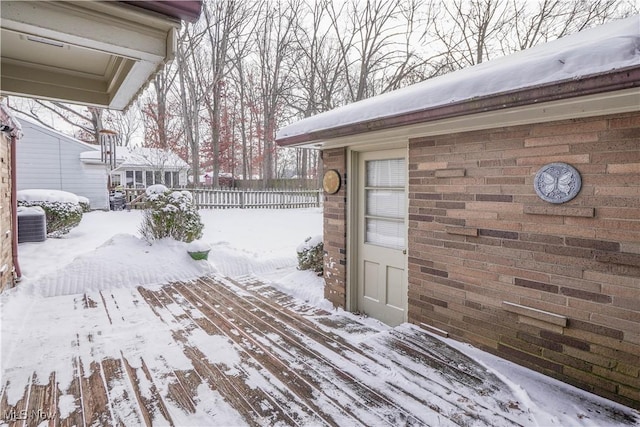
x,y
382,235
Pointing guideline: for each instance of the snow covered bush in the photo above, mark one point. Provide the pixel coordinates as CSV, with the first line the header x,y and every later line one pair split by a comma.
x,y
310,254
84,204
170,214
62,209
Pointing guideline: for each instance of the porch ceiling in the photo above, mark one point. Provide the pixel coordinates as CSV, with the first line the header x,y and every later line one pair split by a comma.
x,y
93,53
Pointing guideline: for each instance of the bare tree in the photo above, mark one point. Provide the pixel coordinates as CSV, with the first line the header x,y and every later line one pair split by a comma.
x,y
86,122
225,22
273,41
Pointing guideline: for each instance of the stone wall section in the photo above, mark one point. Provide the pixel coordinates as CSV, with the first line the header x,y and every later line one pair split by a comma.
x,y
6,259
335,230
554,287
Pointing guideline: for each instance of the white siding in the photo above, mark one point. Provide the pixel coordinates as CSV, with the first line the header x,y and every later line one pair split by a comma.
x,y
49,160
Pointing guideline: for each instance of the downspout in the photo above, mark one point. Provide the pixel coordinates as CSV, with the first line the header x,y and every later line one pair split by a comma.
x,y
14,209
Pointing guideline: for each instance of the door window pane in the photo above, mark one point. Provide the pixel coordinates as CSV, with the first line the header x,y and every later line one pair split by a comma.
x,y
386,173
389,234
385,203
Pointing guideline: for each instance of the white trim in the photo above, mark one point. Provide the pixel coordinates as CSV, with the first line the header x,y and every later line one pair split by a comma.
x,y
622,101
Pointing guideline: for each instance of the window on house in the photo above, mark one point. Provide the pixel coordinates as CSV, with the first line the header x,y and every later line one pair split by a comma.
x,y
129,177
167,179
116,180
139,181
148,176
176,179
157,175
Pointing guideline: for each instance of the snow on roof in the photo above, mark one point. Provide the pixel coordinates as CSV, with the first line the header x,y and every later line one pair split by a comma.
x,y
141,157
42,128
8,118
609,47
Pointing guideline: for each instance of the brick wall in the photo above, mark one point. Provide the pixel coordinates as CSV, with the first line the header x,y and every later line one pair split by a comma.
x,y
335,231
553,287
6,260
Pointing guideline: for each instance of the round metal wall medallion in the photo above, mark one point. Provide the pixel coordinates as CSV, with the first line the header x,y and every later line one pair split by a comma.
x,y
557,182
331,181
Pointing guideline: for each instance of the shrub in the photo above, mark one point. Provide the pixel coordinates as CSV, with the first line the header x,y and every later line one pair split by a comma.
x,y
84,204
62,209
310,254
170,214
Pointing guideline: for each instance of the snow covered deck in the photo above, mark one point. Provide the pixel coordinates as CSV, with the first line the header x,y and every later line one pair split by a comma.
x,y
222,352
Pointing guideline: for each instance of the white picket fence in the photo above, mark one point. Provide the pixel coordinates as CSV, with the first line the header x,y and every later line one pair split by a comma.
x,y
231,198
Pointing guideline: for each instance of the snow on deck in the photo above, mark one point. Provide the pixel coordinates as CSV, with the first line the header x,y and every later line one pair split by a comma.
x,y
221,352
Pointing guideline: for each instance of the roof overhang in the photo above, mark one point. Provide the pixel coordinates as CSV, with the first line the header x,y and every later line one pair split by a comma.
x,y
610,93
86,52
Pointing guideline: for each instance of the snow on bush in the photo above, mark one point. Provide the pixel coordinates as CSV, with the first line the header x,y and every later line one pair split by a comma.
x,y
170,214
84,204
62,209
310,254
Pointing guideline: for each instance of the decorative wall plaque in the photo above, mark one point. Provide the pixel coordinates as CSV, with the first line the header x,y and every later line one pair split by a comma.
x,y
557,182
331,181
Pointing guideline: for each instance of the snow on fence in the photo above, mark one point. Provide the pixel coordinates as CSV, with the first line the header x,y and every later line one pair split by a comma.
x,y
230,198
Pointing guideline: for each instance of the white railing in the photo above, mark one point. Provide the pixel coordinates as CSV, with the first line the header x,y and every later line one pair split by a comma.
x,y
206,198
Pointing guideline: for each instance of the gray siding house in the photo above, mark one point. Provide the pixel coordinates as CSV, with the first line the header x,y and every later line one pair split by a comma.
x,y
47,159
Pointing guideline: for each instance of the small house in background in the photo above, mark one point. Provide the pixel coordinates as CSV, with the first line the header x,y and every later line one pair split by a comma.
x,y
498,205
47,159
140,167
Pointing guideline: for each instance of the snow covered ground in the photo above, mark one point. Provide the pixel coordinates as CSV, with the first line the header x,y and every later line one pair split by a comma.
x,y
105,252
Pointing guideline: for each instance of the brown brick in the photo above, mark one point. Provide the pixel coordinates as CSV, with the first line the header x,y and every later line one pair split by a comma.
x,y
618,258
494,198
569,251
618,134
563,339
498,233
434,272
529,358
567,360
536,285
449,173
560,211
596,329
591,296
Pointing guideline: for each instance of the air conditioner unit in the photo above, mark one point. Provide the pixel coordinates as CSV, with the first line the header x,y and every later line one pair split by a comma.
x,y
32,225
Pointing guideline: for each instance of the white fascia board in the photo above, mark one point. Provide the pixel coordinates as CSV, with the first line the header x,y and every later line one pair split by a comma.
x,y
617,102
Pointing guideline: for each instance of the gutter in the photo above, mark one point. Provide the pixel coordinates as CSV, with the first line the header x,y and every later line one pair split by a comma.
x,y
610,81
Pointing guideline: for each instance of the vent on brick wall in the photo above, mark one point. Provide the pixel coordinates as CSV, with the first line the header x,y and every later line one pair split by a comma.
x,y
32,225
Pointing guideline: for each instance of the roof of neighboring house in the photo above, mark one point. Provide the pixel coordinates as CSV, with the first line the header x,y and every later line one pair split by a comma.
x,y
140,157
7,118
596,60
28,122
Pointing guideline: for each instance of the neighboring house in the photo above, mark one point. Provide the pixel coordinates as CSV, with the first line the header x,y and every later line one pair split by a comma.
x,y
141,167
98,53
444,207
51,160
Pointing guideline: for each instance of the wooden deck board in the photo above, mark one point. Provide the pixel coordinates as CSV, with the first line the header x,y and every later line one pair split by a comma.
x,y
290,366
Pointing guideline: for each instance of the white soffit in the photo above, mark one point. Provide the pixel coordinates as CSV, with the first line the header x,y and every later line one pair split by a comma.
x,y
86,52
